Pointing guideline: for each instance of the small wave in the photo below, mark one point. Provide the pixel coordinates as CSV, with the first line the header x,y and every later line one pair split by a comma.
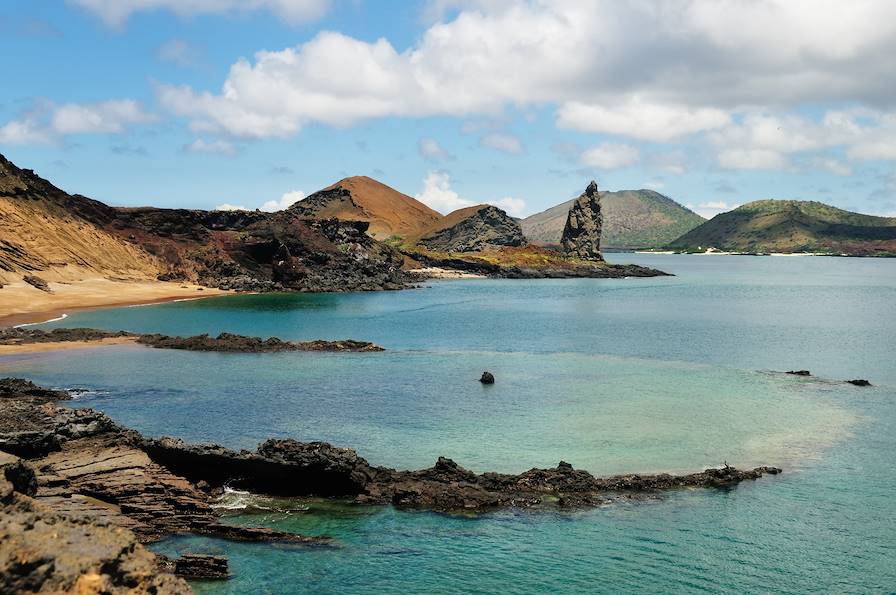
x,y
78,392
242,501
57,319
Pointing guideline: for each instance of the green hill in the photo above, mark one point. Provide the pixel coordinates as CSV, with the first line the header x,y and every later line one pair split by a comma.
x,y
793,226
632,219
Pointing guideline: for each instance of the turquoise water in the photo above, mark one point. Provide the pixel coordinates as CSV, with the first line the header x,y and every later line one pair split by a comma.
x,y
667,374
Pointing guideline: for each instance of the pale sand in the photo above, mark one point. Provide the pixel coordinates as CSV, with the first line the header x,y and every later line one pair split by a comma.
x,y
57,345
440,273
21,303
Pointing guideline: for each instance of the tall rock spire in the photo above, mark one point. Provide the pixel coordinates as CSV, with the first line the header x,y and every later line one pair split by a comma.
x,y
581,236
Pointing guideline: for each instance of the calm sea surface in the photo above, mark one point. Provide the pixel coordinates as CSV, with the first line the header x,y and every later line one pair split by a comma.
x,y
635,375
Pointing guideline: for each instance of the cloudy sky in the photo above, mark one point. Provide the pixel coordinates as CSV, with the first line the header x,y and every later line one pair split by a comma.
x,y
254,103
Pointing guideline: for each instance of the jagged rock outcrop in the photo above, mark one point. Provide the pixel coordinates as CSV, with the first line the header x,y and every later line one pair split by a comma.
x,y
473,229
581,235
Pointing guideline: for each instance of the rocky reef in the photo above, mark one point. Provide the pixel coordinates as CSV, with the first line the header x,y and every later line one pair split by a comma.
x,y
473,229
225,342
581,235
110,483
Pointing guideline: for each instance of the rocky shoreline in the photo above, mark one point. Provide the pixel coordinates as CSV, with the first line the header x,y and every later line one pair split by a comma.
x,y
224,342
79,465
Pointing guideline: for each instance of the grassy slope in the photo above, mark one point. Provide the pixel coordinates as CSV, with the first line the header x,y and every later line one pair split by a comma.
x,y
632,219
793,226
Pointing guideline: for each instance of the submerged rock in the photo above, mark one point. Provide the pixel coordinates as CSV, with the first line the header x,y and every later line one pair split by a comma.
x,y
799,372
581,235
859,382
202,566
487,378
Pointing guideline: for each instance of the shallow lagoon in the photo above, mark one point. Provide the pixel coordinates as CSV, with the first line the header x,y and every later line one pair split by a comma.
x,y
666,374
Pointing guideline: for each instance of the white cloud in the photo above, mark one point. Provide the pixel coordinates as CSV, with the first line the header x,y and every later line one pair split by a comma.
x,y
752,159
217,146
287,200
115,12
610,156
637,118
506,143
25,132
431,150
834,166
47,122
437,193
104,117
516,207
229,207
883,148
179,52
702,61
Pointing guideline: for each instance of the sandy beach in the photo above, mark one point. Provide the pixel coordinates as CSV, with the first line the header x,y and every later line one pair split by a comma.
x,y
20,303
442,273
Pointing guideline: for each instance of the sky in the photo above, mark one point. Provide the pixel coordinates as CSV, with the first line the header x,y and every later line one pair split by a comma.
x,y
257,103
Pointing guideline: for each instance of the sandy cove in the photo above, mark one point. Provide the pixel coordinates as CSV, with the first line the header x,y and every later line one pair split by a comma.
x,y
20,303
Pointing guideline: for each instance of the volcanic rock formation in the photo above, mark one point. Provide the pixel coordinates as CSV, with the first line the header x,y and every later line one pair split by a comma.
x,y
581,236
473,229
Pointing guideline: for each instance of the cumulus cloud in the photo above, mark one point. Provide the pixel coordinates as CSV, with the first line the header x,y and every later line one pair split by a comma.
x,y
287,200
431,150
702,62
216,146
610,156
115,12
637,118
499,141
438,194
47,122
229,207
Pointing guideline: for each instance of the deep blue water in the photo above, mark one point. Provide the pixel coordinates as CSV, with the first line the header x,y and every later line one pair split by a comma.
x,y
666,374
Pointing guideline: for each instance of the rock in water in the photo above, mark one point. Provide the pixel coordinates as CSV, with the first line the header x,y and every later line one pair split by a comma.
x,y
581,236
487,378
859,382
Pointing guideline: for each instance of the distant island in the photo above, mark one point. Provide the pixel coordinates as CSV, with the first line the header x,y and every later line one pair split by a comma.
x,y
792,226
633,220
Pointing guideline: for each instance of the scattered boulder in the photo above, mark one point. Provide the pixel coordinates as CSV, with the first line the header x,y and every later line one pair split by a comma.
x,y
799,372
859,382
37,283
581,235
487,378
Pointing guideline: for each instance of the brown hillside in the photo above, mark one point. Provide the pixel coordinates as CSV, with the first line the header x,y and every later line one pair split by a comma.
x,y
360,198
42,231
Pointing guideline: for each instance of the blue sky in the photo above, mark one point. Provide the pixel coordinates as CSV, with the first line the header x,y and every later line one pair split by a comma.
x,y
251,103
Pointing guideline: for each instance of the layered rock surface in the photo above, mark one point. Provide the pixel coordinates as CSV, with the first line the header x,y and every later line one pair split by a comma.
x,y
581,235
